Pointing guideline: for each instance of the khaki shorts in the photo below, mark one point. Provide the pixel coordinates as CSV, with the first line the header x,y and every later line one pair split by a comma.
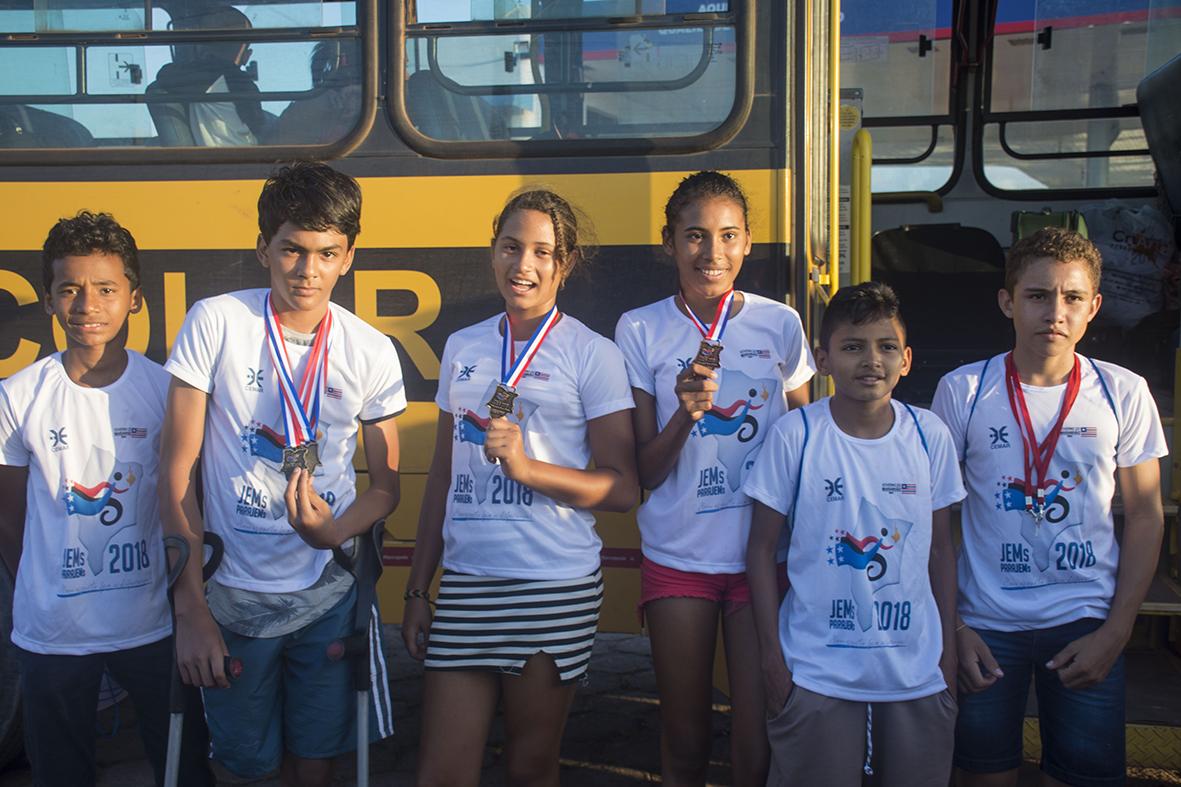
x,y
821,740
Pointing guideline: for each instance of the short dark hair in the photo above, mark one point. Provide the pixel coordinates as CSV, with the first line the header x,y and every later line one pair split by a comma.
x,y
1056,243
312,196
858,304
706,184
569,249
89,233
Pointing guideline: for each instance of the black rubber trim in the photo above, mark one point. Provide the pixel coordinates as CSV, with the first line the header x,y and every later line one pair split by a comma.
x,y
744,30
914,159
1003,135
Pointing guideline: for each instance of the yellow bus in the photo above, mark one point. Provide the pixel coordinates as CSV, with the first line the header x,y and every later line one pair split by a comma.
x,y
170,113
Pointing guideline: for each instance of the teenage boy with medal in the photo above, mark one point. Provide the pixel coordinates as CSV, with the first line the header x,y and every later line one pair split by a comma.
x,y
270,388
1046,592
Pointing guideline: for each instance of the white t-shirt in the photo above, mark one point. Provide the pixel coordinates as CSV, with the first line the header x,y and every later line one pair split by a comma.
x,y
860,621
92,571
1017,575
495,526
221,350
698,519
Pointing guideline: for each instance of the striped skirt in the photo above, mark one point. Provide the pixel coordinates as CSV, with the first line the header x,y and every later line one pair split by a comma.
x,y
490,623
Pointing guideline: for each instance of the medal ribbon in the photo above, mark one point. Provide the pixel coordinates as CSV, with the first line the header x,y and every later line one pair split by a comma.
x,y
301,409
512,368
1037,457
714,331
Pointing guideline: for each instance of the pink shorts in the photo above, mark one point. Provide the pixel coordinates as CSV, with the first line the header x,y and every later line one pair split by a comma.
x,y
729,590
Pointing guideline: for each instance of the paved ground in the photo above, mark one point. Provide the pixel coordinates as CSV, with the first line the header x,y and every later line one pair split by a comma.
x,y
612,738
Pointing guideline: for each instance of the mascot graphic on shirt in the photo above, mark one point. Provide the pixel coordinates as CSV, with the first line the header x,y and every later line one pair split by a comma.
x,y
471,426
1064,509
873,560
102,502
734,422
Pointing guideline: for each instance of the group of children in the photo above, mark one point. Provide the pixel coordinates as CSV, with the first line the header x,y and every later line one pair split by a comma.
x,y
844,505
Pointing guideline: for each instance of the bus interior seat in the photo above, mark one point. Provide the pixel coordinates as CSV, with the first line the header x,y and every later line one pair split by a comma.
x,y
1026,222
170,118
22,126
440,114
1160,115
946,277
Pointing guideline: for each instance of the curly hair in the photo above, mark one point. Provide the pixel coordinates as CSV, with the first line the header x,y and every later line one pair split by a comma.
x,y
706,184
568,250
1055,243
861,303
89,233
312,196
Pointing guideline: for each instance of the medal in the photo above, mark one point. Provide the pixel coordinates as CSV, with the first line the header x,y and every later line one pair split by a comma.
x,y
306,456
512,368
709,353
301,409
1036,455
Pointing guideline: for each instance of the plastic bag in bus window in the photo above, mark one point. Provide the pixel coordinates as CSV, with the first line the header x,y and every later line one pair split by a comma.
x,y
1137,245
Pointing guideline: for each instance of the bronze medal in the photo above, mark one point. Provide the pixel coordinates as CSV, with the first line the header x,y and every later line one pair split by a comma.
x,y
709,354
501,403
306,457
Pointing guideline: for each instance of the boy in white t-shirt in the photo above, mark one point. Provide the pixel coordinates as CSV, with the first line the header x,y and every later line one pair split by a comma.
x,y
1046,593
270,388
858,665
79,441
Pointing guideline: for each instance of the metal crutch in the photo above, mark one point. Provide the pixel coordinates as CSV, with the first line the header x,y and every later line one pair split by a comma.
x,y
366,566
176,691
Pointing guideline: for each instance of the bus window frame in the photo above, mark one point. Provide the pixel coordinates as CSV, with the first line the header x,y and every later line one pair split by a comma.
x,y
366,31
986,118
741,17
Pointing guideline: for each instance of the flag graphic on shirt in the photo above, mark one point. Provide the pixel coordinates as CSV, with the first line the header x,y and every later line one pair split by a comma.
x,y
733,421
871,557
1064,510
472,427
103,501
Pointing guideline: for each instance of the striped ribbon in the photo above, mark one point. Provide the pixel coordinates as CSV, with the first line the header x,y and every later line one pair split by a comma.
x,y
512,368
301,409
713,332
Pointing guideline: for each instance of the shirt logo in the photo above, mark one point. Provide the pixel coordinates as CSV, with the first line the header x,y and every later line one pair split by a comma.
x,y
1080,431
333,393
536,375
834,489
57,439
899,489
683,363
764,354
253,379
465,373
999,436
137,432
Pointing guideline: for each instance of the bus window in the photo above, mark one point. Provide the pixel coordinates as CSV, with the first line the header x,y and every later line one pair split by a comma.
x,y
224,76
899,54
568,72
1061,109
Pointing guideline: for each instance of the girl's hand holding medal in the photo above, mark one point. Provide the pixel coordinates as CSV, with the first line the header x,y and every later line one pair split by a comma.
x,y
503,444
695,389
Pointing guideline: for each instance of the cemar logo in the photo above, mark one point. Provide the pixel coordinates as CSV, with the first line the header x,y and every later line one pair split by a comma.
x,y
253,379
466,373
834,490
999,436
683,363
57,439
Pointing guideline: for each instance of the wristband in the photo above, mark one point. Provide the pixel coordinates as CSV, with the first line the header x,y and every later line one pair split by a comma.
x,y
417,593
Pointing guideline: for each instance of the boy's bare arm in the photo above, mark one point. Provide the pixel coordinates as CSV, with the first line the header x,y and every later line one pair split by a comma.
x,y
312,517
1088,659
13,485
428,541
765,525
200,650
941,567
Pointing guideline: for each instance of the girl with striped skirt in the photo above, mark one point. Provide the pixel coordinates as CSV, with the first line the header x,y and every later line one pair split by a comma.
x,y
528,400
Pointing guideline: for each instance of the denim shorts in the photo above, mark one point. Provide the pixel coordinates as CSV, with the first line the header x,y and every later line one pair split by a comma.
x,y
290,697
1082,730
